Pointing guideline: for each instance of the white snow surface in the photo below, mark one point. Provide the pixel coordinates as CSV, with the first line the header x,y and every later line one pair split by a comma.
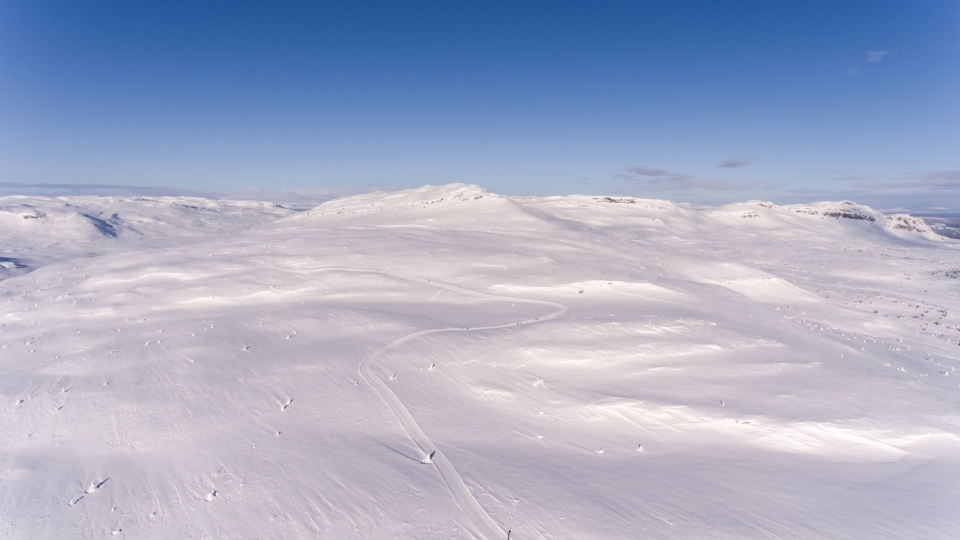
x,y
445,362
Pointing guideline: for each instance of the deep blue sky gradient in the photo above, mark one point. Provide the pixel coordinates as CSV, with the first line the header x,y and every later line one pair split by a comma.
x,y
640,98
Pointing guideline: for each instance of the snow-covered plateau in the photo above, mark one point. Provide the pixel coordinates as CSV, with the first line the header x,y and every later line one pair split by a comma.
x,y
445,362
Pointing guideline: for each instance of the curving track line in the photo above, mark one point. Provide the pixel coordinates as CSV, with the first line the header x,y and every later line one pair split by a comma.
x,y
482,522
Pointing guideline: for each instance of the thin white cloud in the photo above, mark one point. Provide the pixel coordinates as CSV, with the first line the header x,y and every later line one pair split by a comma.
x,y
646,171
689,183
945,180
949,176
733,163
876,56
663,180
59,190
319,194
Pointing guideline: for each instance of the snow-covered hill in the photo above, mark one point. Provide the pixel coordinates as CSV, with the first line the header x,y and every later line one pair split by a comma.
x,y
449,363
37,231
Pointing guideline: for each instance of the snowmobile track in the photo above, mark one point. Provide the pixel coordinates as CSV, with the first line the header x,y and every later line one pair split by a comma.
x,y
483,524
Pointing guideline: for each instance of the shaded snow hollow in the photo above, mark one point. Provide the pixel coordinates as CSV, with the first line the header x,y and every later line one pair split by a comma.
x,y
445,362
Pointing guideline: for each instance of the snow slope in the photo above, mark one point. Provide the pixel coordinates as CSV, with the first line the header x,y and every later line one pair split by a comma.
x,y
449,363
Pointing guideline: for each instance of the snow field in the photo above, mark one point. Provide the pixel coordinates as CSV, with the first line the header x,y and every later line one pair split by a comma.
x,y
788,371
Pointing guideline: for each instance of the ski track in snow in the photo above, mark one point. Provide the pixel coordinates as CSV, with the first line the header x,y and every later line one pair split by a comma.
x,y
484,525
190,368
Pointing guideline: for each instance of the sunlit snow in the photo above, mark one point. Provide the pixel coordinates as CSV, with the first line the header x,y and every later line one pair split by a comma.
x,y
445,362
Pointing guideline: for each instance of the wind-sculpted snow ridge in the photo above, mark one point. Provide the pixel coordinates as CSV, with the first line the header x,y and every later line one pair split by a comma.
x,y
449,363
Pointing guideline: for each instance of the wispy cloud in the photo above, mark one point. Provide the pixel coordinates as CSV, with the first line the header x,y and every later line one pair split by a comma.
x,y
945,180
905,192
876,56
764,184
663,180
733,163
58,190
851,178
646,171
689,183
318,195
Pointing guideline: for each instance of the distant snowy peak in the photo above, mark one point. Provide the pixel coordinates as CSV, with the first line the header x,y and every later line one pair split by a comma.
x,y
417,198
625,204
453,207
469,207
28,222
685,219
41,221
844,209
895,223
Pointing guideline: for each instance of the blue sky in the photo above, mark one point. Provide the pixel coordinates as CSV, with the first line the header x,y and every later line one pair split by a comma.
x,y
702,101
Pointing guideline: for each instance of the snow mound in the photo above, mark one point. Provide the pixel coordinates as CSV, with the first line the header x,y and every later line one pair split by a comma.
x,y
755,284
